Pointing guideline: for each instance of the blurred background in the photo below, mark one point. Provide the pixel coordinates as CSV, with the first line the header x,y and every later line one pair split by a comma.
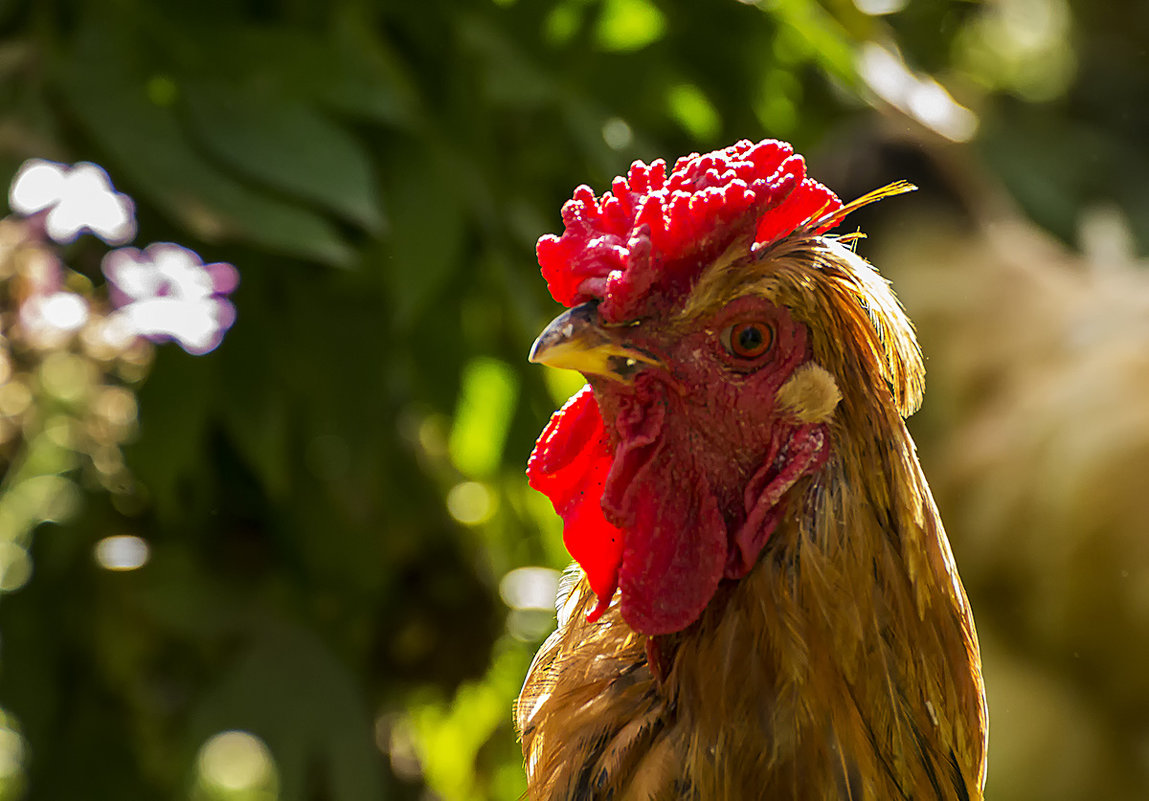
x,y
305,564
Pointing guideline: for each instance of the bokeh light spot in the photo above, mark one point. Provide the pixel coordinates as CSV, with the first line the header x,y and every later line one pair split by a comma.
x,y
13,755
15,397
562,22
432,435
877,8
37,186
49,498
396,737
48,320
530,588
116,406
74,198
15,567
617,134
66,376
162,90
235,762
471,503
122,552
1023,46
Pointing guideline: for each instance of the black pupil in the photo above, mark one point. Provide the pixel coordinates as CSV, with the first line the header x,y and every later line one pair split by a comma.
x,y
750,338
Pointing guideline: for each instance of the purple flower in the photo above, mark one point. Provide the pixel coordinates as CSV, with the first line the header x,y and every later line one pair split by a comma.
x,y
72,200
166,292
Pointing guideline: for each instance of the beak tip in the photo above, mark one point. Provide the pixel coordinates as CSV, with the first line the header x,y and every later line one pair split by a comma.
x,y
532,357
540,346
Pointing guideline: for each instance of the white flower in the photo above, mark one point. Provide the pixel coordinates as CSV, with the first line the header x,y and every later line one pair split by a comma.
x,y
75,199
167,292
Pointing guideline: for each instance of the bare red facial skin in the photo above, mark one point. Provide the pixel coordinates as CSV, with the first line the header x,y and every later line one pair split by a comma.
x,y
699,459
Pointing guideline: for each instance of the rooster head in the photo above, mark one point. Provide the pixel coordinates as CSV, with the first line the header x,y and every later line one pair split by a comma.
x,y
719,330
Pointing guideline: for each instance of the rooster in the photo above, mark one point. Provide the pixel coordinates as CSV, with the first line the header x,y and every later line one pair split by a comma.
x,y
764,604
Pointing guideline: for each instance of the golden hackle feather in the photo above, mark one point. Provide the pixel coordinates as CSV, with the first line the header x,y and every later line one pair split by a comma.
x,y
845,665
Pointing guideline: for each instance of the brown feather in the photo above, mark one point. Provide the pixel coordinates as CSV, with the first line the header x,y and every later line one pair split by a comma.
x,y
845,665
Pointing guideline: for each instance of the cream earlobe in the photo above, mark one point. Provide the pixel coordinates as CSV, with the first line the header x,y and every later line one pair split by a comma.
x,y
811,394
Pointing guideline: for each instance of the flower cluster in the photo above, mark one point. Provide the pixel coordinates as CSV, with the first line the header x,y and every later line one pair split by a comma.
x,y
166,292
72,350
163,293
71,200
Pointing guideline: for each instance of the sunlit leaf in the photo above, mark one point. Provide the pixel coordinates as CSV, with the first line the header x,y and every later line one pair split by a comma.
x,y
694,111
450,736
486,403
629,24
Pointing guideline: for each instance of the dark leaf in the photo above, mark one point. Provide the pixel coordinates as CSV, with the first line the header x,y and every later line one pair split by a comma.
x,y
285,144
145,140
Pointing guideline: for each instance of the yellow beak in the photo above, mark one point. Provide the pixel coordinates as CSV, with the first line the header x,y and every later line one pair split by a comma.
x,y
575,340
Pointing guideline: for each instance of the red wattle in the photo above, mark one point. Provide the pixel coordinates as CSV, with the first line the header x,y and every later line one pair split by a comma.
x,y
569,465
675,552
676,541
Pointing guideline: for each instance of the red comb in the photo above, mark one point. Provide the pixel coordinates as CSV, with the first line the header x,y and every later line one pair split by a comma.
x,y
657,231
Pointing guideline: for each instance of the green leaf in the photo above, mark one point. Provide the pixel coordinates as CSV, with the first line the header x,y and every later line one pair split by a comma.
x,y
284,143
110,97
174,412
510,77
425,245
349,68
367,78
260,427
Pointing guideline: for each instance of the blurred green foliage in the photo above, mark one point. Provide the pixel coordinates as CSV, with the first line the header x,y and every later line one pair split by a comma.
x,y
332,497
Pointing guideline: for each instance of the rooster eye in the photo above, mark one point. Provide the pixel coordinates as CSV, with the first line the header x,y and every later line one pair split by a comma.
x,y
748,340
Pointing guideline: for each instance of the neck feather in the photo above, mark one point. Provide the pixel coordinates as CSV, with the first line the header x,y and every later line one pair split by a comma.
x,y
849,650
